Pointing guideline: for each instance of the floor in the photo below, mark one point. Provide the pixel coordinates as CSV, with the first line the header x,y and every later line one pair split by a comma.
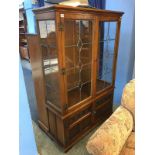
x,y
44,144
48,147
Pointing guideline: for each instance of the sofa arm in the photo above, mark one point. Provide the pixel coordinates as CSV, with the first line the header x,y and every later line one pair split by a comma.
x,y
112,134
128,98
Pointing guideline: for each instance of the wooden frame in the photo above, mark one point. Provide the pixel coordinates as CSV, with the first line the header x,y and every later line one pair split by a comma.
x,y
65,124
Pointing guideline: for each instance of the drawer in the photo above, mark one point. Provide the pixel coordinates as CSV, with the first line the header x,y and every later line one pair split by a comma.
x,y
78,115
78,122
76,129
104,109
103,99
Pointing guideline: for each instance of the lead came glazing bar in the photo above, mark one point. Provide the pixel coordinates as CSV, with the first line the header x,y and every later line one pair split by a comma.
x,y
78,58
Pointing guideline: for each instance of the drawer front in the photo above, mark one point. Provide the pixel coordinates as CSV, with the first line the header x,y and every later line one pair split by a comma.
x,y
82,125
102,100
78,122
103,107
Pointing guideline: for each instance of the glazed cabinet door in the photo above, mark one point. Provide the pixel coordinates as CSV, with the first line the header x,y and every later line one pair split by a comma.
x,y
78,57
106,55
50,62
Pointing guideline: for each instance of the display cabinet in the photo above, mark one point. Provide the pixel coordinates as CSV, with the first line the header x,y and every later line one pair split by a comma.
x,y
73,58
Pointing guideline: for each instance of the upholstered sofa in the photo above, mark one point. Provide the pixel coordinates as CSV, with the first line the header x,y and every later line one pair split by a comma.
x,y
116,136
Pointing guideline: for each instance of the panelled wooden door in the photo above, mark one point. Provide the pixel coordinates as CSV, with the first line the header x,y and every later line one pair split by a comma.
x,y
79,58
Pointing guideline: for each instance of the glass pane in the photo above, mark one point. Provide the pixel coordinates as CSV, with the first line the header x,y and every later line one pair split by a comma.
x,y
107,31
50,61
78,59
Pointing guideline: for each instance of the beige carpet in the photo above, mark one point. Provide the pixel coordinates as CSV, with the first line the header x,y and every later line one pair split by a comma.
x,y
48,147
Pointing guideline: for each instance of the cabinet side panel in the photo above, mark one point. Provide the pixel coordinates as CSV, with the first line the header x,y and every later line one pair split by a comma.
x,y
37,74
52,124
60,130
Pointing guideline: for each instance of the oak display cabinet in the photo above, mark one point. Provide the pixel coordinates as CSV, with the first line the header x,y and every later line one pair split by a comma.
x,y
73,60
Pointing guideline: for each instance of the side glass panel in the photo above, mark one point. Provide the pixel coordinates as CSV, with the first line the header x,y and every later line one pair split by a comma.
x,y
50,61
78,59
107,32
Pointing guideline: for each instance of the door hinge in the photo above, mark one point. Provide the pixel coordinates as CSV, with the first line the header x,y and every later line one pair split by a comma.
x,y
63,71
61,27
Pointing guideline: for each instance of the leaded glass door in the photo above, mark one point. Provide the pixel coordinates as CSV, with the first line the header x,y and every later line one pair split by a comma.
x,y
78,59
106,55
50,61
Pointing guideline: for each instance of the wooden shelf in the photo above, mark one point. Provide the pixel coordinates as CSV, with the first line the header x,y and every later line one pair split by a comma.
x,y
24,41
22,33
21,27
